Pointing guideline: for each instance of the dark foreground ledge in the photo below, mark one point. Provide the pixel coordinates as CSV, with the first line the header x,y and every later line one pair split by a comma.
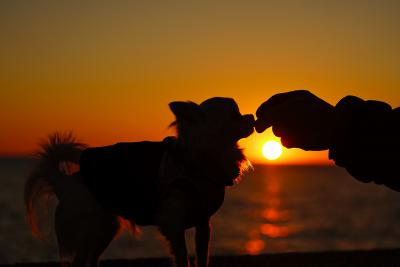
x,y
374,258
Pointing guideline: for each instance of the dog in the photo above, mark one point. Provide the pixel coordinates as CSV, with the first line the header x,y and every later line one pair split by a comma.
x,y
175,184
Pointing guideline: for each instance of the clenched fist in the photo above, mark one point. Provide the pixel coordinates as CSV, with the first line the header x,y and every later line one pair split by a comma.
x,y
301,119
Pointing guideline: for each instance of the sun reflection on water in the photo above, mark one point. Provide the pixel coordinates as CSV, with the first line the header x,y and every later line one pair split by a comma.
x,y
275,215
276,220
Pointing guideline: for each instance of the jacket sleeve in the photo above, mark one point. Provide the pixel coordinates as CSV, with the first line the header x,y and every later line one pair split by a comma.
x,y
366,141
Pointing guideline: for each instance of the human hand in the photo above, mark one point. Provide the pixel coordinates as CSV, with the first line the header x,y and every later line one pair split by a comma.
x,y
300,118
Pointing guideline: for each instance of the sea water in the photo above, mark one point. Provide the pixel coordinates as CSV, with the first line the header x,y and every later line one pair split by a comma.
x,y
273,209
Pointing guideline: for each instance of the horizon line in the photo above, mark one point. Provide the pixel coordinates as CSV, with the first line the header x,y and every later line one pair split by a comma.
x,y
256,163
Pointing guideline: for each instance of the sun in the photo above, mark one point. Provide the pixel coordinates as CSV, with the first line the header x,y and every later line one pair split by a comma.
x,y
272,150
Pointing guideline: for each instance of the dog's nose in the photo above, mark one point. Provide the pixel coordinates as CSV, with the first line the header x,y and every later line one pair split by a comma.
x,y
250,118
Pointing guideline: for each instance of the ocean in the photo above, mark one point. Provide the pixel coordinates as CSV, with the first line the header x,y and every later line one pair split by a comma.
x,y
273,209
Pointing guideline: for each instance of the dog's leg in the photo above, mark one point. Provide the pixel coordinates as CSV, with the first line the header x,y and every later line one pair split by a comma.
x,y
102,237
96,235
202,243
178,247
84,229
86,239
172,226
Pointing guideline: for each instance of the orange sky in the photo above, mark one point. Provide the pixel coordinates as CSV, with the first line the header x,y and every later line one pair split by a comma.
x,y
108,69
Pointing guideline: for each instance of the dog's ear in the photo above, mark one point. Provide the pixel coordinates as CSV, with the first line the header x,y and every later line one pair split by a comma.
x,y
185,111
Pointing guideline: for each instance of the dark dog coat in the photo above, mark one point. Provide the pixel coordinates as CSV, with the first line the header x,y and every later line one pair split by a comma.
x,y
132,179
124,177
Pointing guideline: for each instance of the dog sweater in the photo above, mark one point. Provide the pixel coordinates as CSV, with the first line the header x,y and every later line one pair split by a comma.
x,y
124,177
132,179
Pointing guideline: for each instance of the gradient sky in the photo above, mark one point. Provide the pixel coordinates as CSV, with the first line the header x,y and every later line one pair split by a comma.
x,y
108,69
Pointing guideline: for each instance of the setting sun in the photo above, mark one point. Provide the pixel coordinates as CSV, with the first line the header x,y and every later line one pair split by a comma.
x,y
272,150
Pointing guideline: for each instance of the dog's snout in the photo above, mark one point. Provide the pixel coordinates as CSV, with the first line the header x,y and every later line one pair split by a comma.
x,y
250,118
247,125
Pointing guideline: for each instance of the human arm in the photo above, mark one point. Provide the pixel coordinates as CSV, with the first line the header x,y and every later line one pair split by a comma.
x,y
362,136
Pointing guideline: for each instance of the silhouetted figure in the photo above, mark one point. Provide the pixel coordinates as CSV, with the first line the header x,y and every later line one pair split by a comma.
x,y
175,184
362,136
110,173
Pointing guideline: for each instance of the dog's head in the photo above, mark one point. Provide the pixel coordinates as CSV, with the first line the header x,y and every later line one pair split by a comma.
x,y
217,119
212,130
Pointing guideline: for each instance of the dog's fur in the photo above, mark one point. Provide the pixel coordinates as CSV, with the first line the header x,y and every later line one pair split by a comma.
x,y
205,159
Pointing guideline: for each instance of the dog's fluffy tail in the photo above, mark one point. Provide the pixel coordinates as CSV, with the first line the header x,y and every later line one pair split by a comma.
x,y
55,156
